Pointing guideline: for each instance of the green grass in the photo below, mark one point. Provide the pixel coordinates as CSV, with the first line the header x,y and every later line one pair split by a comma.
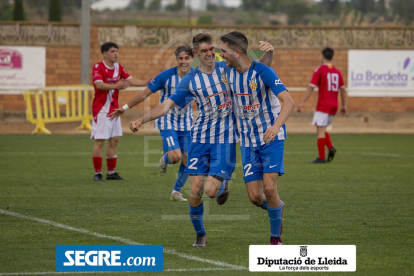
x,y
365,197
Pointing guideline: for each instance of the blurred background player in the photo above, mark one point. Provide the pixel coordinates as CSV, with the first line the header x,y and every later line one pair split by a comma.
x,y
176,125
108,78
212,151
329,81
257,91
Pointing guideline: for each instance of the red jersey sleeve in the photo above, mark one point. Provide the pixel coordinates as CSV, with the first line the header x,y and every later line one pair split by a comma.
x,y
97,74
124,74
315,78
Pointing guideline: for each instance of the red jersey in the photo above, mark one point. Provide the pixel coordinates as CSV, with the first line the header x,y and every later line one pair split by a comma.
x,y
328,79
105,101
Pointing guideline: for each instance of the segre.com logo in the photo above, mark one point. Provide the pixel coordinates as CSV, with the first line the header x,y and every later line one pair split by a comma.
x,y
109,258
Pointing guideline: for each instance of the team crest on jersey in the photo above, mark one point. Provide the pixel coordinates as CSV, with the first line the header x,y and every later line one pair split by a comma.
x,y
224,79
253,84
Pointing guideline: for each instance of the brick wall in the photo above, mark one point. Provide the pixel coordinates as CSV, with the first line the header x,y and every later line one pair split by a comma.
x,y
294,66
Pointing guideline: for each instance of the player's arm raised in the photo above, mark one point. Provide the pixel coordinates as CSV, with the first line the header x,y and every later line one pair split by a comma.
x,y
159,111
308,92
267,57
287,107
139,97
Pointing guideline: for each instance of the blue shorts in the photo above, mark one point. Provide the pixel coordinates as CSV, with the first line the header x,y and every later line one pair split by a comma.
x,y
172,140
262,159
211,159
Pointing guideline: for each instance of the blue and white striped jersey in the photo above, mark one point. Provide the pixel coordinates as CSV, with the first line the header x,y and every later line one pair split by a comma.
x,y
216,123
257,106
178,119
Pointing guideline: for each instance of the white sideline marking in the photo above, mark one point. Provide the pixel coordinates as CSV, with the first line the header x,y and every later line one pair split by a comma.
x,y
127,241
142,153
90,272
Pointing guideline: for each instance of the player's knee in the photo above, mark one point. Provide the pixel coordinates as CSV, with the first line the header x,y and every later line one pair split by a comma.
x,y
256,199
270,190
196,193
210,191
174,157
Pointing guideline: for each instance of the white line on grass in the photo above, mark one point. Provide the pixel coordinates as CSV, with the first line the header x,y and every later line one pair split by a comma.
x,y
90,272
127,241
149,153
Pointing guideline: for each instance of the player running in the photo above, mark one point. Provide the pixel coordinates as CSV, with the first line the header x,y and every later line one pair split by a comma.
x,y
257,92
329,81
108,78
176,124
212,151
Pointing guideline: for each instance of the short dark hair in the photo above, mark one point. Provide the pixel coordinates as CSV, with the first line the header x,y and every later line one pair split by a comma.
x,y
328,53
108,45
184,48
236,41
202,38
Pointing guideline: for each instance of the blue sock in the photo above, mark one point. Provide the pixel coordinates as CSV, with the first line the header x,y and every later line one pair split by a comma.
x,y
222,187
275,217
165,158
196,215
264,206
181,178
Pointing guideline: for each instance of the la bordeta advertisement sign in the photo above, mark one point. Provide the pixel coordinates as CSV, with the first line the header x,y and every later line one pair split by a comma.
x,y
381,73
22,68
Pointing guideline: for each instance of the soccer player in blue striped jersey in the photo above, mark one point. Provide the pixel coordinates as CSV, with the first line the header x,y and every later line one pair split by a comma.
x,y
257,92
212,151
175,126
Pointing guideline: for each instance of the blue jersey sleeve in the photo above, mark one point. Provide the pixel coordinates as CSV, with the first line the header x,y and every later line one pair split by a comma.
x,y
158,82
182,95
271,80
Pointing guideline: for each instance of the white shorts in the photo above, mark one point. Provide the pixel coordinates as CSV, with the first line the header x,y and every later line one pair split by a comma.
x,y
103,128
322,119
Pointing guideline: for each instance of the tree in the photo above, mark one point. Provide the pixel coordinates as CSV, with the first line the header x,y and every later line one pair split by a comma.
x,y
330,6
18,12
404,9
6,11
296,11
155,5
54,11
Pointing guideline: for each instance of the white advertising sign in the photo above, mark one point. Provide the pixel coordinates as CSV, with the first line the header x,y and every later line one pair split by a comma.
x,y
380,73
302,258
22,68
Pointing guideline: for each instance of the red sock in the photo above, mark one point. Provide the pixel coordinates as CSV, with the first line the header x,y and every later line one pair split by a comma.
x,y
111,163
328,141
321,148
97,164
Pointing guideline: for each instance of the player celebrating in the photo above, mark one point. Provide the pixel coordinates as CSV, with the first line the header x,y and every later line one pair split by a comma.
x,y
329,81
175,126
108,78
212,151
257,91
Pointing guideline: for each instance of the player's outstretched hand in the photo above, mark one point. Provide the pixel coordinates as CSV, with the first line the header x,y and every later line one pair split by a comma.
x,y
343,110
148,81
270,134
118,112
299,107
266,46
134,125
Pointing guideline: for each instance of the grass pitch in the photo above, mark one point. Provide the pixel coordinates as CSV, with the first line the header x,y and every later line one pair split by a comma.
x,y
364,197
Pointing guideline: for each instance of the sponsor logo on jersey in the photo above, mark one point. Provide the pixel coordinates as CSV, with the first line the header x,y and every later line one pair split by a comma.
x,y
253,84
278,82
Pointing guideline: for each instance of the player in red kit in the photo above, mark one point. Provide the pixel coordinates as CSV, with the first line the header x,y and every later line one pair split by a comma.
x,y
108,78
329,81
